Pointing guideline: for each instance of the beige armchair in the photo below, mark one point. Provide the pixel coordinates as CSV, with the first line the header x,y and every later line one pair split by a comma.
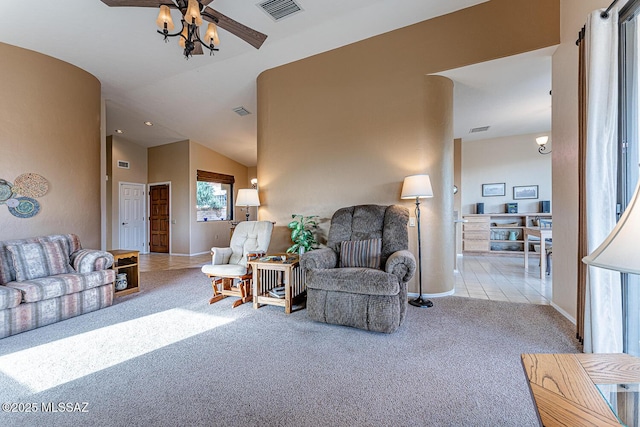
x,y
229,272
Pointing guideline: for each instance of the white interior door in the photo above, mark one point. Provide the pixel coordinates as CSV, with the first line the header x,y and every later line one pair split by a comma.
x,y
132,217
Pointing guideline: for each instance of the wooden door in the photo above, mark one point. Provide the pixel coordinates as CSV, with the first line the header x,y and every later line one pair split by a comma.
x,y
159,219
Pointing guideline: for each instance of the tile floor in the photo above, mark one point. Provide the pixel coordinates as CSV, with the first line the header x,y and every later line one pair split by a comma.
x,y
502,279
484,277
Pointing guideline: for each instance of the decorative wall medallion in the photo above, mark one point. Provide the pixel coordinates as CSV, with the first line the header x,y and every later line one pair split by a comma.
x,y
31,185
28,185
6,191
27,207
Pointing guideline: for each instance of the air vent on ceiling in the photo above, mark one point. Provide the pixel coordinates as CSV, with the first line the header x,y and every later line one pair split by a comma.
x,y
480,129
279,9
241,111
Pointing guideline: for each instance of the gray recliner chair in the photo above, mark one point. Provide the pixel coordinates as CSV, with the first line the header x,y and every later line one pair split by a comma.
x,y
360,278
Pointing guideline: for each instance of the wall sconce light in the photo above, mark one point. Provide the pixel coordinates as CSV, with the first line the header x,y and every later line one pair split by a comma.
x,y
542,144
254,183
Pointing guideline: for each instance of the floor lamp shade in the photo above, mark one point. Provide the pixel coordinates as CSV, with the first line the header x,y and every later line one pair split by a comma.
x,y
619,251
416,186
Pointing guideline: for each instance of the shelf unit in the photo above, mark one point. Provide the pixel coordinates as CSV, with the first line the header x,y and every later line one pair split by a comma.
x,y
501,233
126,261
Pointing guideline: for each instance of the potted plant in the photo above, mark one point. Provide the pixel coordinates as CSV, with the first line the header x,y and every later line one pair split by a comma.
x,y
302,233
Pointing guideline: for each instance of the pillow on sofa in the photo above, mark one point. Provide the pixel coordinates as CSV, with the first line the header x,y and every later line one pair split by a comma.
x,y
42,259
361,253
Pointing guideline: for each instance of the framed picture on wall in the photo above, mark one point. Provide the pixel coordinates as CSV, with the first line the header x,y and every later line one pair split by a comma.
x,y
495,189
525,192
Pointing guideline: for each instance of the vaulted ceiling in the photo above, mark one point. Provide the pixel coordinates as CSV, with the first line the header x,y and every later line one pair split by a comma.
x,y
144,79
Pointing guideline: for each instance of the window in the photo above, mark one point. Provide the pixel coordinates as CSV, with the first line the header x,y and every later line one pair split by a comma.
x,y
629,158
214,196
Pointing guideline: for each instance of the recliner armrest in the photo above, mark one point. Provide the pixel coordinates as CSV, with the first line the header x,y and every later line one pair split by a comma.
x,y
319,258
401,264
220,255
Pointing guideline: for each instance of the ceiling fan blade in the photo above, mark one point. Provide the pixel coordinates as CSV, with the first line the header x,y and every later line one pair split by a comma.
x,y
251,36
205,2
137,3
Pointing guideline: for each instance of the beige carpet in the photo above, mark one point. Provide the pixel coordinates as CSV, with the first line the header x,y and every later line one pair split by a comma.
x,y
165,357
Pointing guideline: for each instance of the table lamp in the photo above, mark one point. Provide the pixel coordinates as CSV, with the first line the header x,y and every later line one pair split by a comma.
x,y
418,187
248,197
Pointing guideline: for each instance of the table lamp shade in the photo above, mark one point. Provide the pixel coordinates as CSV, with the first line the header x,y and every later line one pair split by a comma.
x,y
416,186
619,251
248,197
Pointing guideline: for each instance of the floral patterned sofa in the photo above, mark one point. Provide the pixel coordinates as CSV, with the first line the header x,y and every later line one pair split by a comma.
x,y
47,279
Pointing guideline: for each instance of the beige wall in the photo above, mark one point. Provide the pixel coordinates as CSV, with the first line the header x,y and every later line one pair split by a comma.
x,y
177,163
170,163
565,153
513,160
120,149
204,235
345,127
50,125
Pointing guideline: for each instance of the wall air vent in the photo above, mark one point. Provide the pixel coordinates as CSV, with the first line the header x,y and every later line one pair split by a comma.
x,y
123,164
480,129
278,9
241,111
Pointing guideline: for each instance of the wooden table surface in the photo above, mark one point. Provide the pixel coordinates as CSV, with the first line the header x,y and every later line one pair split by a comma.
x,y
564,389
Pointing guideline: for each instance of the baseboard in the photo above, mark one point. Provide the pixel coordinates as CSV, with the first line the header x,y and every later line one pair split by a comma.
x,y
564,313
196,254
442,294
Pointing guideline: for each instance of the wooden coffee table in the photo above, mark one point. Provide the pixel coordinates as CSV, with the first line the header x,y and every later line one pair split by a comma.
x,y
564,388
273,271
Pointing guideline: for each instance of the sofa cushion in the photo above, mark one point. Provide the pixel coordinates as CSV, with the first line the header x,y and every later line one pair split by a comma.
x,y
361,253
39,259
63,284
366,281
9,297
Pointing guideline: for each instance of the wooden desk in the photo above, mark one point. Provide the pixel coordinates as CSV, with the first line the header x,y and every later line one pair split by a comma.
x,y
564,390
269,274
542,234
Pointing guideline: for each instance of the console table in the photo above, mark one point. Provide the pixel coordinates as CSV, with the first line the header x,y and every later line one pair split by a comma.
x,y
565,386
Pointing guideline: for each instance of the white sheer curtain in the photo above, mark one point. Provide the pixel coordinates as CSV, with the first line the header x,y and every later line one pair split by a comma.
x,y
603,299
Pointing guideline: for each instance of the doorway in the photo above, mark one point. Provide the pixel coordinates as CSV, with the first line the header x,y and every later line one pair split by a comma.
x,y
132,217
159,230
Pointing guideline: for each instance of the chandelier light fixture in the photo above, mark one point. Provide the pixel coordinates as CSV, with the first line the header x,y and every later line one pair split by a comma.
x,y
189,36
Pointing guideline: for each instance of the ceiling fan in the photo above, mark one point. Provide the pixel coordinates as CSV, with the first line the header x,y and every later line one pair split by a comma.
x,y
189,36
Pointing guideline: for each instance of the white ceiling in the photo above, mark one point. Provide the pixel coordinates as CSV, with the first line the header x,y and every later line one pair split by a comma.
x,y
145,79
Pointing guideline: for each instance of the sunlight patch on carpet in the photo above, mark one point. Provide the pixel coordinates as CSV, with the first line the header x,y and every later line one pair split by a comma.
x,y
49,365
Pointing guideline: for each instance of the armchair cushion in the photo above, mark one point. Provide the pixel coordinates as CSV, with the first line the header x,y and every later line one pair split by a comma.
x,y
360,253
224,270
365,281
220,255
319,258
39,259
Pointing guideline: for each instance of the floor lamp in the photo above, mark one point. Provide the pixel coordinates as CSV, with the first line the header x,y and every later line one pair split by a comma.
x,y
248,197
418,187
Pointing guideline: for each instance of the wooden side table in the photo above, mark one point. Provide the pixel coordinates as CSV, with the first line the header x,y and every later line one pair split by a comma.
x,y
126,261
564,386
271,272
